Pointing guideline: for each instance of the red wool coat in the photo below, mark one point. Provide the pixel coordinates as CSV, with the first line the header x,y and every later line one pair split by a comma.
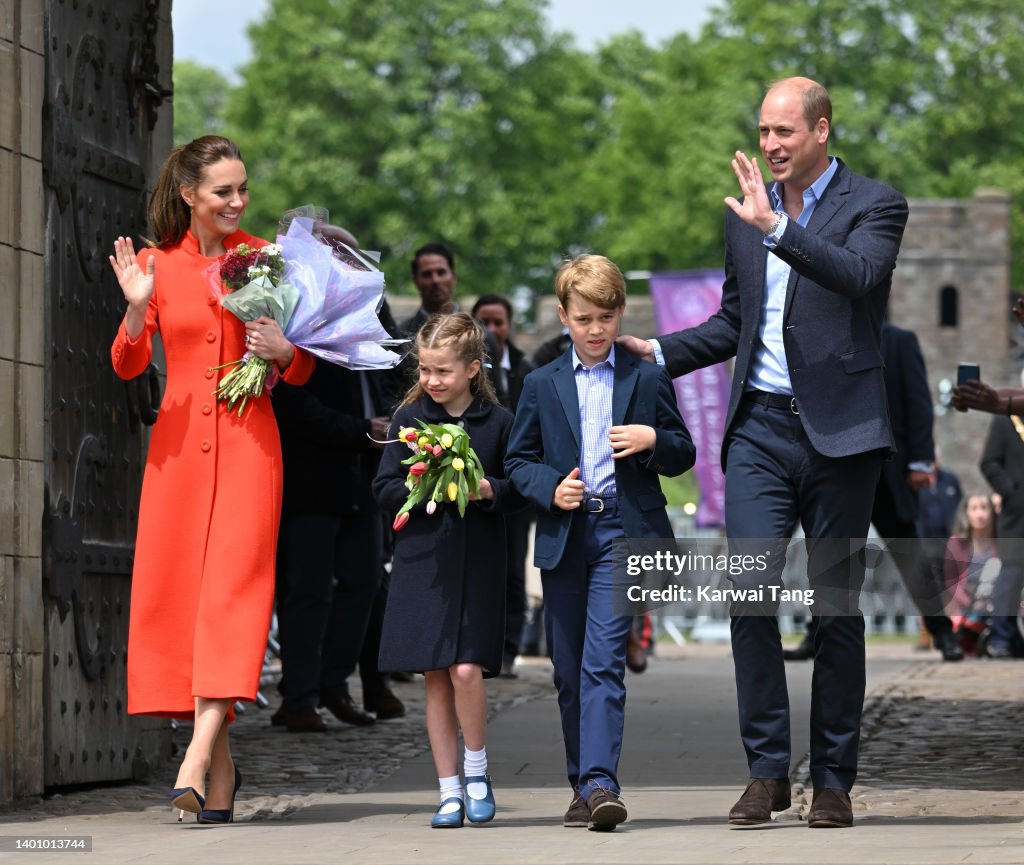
x,y
203,581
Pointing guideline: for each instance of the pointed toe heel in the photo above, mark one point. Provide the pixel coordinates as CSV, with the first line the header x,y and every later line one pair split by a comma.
x,y
451,820
480,810
218,816
187,799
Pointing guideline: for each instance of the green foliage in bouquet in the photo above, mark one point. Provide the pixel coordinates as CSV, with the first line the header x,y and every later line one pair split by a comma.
x,y
443,467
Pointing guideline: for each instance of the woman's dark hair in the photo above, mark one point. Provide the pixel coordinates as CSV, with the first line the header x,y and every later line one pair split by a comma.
x,y
168,213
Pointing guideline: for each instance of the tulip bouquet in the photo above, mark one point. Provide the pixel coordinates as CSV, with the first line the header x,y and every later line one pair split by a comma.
x,y
443,467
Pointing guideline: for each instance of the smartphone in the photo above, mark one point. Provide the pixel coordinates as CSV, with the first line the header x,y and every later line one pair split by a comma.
x,y
967,372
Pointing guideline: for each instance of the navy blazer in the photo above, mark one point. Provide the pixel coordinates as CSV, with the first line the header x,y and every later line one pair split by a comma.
x,y
842,264
545,442
910,413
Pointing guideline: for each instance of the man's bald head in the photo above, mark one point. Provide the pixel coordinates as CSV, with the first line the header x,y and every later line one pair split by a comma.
x,y
814,98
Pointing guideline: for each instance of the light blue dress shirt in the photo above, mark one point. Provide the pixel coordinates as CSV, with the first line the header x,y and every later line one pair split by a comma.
x,y
594,388
769,369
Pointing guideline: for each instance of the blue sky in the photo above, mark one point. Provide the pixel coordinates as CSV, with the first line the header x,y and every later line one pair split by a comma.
x,y
213,33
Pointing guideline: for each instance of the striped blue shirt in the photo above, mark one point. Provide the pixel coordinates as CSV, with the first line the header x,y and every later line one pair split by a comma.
x,y
594,387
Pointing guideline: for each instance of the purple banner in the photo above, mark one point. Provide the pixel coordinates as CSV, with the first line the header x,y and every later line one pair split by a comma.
x,y
682,300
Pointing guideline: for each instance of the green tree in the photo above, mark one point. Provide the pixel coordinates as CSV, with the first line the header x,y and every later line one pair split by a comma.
x,y
924,94
459,120
200,97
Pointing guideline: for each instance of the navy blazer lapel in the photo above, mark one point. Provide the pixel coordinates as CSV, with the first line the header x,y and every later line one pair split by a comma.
x,y
834,197
564,380
626,376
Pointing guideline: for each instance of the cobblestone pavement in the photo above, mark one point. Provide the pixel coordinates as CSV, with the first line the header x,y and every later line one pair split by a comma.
x,y
942,740
939,741
283,772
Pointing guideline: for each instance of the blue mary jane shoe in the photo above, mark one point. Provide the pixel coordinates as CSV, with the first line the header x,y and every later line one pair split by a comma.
x,y
480,810
452,820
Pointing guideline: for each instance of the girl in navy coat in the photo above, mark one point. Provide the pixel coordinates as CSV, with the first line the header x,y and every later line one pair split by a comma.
x,y
446,608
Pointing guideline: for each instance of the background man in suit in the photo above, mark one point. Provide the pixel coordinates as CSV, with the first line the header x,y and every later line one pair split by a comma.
x,y
808,269
910,470
510,367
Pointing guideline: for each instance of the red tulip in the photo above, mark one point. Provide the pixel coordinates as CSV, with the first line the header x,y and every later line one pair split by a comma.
x,y
438,450
400,521
418,468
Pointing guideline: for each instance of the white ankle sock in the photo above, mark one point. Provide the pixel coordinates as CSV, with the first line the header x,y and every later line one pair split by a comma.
x,y
475,764
450,787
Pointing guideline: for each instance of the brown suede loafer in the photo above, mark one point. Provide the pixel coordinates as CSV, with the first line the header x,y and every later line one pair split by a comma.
x,y
830,809
385,705
606,810
578,815
762,796
303,719
342,707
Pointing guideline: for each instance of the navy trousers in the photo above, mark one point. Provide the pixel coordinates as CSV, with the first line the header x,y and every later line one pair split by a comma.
x,y
774,478
587,634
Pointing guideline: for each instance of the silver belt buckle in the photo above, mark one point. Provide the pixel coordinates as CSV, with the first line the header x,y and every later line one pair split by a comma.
x,y
792,406
597,510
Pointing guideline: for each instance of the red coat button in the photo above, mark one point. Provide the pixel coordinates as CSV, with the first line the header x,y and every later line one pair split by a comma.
x,y
211,336
207,409
209,373
205,447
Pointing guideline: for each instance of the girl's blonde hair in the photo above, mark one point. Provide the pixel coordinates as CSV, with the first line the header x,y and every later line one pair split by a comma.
x,y
169,215
462,333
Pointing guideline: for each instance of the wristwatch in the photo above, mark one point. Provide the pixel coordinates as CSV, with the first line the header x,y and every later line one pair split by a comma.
x,y
775,225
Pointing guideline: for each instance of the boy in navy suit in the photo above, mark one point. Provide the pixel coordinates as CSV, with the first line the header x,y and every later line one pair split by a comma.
x,y
593,430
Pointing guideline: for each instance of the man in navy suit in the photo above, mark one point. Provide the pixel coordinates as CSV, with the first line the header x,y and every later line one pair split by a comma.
x,y
808,269
593,430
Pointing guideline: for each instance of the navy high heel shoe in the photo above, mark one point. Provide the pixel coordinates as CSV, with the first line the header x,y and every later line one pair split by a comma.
x,y
452,820
219,815
187,799
480,810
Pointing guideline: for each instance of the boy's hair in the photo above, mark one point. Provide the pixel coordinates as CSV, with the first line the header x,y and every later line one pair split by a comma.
x,y
461,332
594,278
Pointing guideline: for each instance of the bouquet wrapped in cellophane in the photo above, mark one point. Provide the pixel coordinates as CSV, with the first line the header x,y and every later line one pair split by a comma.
x,y
443,468
324,295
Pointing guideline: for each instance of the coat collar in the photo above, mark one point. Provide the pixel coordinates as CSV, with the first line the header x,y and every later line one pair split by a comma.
x,y
627,373
431,412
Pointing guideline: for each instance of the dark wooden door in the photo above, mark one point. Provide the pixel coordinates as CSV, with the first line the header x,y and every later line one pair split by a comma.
x,y
101,109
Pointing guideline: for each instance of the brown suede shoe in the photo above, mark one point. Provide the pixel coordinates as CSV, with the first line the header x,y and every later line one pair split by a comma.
x,y
303,719
606,810
385,705
578,815
762,796
830,809
636,654
342,707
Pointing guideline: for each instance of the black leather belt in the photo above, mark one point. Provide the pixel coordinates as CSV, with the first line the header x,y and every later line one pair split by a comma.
x,y
599,504
772,400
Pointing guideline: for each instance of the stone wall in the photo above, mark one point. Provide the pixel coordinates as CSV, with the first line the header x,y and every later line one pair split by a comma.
x,y
961,245
21,393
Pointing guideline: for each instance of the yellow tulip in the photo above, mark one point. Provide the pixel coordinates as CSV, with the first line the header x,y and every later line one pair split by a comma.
x,y
447,440
458,464
423,442
453,491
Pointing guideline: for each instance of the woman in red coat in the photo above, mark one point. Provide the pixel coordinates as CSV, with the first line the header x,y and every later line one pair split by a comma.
x,y
203,580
